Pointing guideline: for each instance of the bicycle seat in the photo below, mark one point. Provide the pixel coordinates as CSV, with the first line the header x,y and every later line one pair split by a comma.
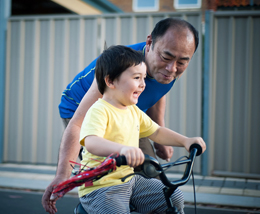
x,y
80,210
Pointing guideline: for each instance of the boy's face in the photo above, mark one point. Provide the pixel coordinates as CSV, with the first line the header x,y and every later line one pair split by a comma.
x,y
129,86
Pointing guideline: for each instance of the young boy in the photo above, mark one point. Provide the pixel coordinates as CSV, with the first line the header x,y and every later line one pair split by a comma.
x,y
115,124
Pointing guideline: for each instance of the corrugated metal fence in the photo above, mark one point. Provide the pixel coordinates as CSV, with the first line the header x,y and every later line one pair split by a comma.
x,y
234,101
45,53
43,56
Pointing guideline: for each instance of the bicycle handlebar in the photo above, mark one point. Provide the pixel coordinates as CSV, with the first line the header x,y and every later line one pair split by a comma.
x,y
152,168
121,160
195,150
198,147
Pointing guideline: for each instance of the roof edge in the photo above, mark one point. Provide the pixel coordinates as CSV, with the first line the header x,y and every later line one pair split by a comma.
x,y
104,6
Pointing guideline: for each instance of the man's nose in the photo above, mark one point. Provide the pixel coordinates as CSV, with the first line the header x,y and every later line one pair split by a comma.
x,y
172,67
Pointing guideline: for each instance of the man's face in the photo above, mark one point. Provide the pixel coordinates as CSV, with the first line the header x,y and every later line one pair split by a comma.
x,y
168,58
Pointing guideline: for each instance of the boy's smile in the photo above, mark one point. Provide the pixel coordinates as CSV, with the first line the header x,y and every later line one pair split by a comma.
x,y
127,88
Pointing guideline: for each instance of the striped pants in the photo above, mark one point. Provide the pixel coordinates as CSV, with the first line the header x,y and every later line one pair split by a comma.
x,y
146,195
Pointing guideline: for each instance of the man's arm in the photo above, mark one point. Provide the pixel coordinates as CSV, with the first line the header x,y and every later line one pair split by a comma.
x,y
69,148
157,113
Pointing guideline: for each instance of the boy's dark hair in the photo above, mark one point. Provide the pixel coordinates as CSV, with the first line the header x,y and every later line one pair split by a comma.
x,y
113,62
162,26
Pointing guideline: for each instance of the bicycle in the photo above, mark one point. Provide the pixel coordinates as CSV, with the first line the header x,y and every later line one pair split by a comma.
x,y
152,168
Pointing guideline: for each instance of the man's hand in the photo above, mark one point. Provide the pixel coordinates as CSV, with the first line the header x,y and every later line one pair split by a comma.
x,y
164,152
50,205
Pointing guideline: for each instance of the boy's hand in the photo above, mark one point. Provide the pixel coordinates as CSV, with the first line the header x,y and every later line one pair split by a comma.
x,y
134,156
198,140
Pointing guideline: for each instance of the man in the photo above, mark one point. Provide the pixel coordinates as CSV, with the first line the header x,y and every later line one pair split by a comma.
x,y
168,51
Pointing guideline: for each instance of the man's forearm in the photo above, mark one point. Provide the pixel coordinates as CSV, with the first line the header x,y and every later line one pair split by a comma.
x,y
69,150
157,111
70,146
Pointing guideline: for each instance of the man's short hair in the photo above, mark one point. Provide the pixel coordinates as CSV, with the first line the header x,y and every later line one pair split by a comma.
x,y
113,62
162,26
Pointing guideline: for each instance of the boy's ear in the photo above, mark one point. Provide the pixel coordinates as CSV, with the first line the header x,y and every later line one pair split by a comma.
x,y
108,82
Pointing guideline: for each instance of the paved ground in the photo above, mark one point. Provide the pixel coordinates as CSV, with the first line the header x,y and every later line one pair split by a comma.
x,y
223,191
210,191
26,202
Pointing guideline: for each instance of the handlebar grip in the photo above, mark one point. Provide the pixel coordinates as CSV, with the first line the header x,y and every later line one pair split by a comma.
x,y
121,160
198,147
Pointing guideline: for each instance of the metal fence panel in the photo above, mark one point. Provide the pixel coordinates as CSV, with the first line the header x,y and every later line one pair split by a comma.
x,y
234,87
44,54
185,99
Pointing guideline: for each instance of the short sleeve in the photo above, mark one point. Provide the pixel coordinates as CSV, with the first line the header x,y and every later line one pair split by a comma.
x,y
147,125
94,123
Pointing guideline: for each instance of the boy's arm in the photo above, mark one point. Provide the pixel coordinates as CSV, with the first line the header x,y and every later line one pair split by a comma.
x,y
168,137
103,147
156,113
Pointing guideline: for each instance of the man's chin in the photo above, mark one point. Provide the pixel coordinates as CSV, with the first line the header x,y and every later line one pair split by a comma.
x,y
163,80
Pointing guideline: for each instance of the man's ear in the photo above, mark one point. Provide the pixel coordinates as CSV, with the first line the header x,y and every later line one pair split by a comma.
x,y
148,42
108,82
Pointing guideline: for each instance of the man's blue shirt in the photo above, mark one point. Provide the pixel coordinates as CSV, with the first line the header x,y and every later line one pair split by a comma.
x,y
76,90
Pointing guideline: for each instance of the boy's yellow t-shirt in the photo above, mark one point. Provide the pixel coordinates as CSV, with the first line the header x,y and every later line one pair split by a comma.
x,y
124,126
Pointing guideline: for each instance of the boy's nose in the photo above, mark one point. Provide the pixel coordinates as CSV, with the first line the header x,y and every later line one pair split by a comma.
x,y
142,84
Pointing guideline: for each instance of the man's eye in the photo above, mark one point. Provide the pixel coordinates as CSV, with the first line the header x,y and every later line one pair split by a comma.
x,y
164,58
